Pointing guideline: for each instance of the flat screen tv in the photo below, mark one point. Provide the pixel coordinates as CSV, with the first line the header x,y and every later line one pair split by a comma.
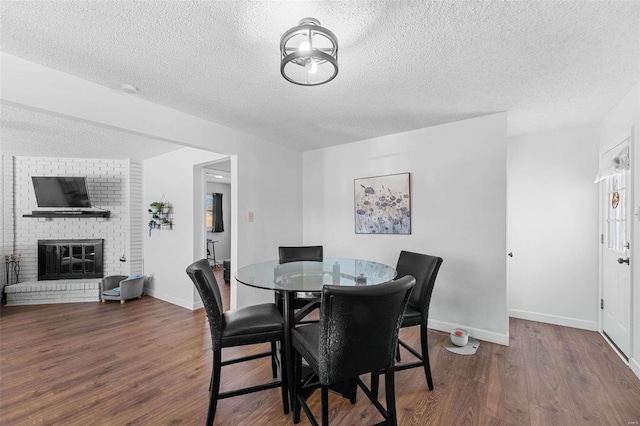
x,y
60,191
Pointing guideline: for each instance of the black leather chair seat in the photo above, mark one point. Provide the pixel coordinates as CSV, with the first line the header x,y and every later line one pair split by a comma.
x,y
412,316
257,323
252,319
307,337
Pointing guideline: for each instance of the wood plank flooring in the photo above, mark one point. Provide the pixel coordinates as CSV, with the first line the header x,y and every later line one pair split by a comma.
x,y
148,362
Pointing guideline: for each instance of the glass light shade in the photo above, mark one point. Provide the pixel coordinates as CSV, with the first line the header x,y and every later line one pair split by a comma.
x,y
309,54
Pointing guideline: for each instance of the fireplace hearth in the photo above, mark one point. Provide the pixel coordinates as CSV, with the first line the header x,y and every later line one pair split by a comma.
x,y
70,259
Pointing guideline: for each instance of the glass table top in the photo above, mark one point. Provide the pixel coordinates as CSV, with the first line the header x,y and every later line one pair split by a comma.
x,y
312,275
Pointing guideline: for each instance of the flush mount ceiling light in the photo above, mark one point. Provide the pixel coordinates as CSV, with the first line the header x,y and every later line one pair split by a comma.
x,y
309,54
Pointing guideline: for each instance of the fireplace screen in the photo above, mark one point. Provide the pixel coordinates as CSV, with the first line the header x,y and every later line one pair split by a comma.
x,y
69,259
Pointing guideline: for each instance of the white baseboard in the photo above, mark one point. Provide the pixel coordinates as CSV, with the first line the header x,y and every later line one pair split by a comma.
x,y
480,334
554,319
635,366
173,300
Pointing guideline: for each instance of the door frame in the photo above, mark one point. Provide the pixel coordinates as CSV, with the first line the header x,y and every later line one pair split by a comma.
x,y
626,137
200,229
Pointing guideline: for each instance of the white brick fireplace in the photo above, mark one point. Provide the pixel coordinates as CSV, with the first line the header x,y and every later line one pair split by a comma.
x,y
114,185
61,291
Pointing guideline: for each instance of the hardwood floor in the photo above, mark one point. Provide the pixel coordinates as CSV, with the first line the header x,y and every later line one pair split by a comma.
x,y
148,362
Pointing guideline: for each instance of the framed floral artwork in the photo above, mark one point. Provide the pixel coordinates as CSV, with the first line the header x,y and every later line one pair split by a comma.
x,y
383,204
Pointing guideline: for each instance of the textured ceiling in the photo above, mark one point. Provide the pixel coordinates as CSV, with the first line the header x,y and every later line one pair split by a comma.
x,y
403,64
35,134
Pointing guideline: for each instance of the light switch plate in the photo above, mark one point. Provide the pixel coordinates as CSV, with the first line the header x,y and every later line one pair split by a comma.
x,y
250,217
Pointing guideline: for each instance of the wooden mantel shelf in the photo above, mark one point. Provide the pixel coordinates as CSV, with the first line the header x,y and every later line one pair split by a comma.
x,y
70,213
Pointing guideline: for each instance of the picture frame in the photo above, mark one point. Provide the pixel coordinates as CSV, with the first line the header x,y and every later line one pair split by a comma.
x,y
382,204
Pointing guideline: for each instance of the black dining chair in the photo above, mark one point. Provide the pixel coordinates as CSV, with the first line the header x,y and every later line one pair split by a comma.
x,y
303,302
424,268
238,327
300,253
357,334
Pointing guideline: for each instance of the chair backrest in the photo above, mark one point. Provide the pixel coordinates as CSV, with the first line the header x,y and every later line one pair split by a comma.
x,y
359,328
205,282
299,253
424,268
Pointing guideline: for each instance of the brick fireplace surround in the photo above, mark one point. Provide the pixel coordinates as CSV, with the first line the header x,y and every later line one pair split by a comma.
x,y
59,291
114,185
70,271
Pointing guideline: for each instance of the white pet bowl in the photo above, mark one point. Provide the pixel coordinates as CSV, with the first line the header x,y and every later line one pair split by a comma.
x,y
459,336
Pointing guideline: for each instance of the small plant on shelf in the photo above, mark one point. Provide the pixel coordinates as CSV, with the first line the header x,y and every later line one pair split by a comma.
x,y
160,212
157,207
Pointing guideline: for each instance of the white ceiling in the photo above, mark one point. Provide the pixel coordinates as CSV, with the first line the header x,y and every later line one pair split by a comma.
x,y
403,64
36,134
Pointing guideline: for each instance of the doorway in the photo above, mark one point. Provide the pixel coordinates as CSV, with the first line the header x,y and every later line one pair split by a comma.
x,y
218,214
616,223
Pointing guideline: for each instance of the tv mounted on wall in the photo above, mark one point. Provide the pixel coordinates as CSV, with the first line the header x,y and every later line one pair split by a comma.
x,y
61,191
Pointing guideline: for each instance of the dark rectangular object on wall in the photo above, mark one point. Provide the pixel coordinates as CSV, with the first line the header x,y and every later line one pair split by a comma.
x,y
70,259
61,191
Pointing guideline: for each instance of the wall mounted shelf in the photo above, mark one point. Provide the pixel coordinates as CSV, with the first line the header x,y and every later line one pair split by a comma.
x,y
160,215
78,213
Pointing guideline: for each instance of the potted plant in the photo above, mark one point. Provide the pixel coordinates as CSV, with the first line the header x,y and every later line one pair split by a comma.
x,y
156,207
160,215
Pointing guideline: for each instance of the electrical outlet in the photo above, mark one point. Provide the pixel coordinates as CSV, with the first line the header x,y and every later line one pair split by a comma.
x,y
250,217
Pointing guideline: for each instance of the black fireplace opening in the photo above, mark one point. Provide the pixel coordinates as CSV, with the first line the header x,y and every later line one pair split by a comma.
x,y
70,259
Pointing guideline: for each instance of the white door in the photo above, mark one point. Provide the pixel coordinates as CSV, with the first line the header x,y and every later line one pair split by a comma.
x,y
616,270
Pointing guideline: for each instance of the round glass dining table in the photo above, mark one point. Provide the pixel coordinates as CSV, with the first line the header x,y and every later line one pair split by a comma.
x,y
309,276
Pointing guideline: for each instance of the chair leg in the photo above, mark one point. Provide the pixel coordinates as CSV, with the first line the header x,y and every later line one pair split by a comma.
x,y
353,391
215,386
274,365
284,378
375,384
325,405
297,375
425,356
389,386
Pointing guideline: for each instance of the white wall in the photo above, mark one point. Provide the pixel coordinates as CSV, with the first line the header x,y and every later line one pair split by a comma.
x,y
553,227
458,202
223,245
167,253
263,178
179,177
269,185
624,119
